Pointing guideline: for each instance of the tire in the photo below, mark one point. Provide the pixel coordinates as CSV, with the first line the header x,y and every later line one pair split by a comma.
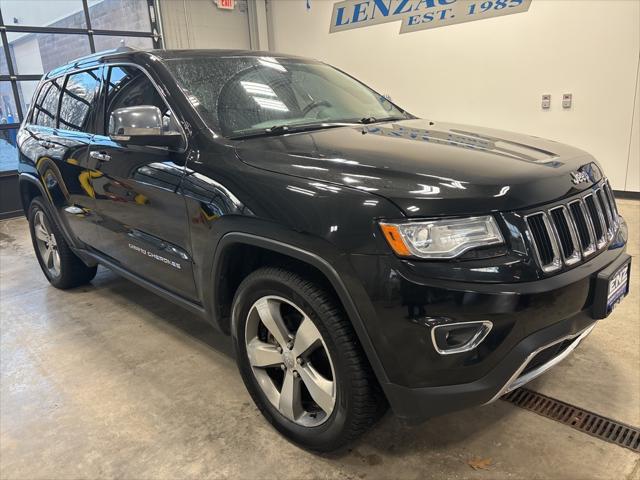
x,y
337,412
59,264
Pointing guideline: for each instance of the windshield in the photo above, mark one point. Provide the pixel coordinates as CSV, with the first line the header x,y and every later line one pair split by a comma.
x,y
244,96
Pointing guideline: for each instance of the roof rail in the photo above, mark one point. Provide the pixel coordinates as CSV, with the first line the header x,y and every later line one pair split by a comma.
x,y
93,56
97,55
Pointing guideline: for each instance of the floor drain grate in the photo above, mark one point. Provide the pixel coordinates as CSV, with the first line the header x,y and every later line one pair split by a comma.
x,y
583,420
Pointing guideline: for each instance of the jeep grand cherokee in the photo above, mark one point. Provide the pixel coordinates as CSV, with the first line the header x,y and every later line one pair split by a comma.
x,y
359,256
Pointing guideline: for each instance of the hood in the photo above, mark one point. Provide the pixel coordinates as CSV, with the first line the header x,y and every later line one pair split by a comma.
x,y
430,168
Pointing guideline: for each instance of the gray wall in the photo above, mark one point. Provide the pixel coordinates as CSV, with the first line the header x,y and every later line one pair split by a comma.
x,y
201,24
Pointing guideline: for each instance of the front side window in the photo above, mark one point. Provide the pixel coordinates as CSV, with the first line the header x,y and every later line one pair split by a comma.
x,y
77,100
46,107
130,87
241,96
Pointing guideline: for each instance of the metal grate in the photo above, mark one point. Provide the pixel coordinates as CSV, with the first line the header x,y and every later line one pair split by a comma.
x,y
588,422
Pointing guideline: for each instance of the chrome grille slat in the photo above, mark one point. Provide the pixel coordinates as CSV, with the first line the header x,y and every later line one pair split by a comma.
x,y
597,220
582,223
612,203
572,231
607,216
544,241
565,231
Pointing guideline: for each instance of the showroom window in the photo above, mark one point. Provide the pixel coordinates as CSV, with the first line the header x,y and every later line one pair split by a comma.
x,y
39,35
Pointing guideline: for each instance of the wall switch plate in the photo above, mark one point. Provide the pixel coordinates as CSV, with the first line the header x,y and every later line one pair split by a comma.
x,y
546,102
567,98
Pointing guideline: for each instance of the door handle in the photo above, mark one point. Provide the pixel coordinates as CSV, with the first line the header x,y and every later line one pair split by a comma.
x,y
103,157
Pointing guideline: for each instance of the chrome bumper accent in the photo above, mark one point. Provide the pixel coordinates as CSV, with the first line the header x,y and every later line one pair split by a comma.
x,y
516,381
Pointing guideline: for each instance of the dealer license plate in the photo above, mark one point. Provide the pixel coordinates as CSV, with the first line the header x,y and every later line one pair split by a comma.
x,y
618,287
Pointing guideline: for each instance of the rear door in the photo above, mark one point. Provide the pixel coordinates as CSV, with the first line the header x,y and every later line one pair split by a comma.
x,y
59,135
142,218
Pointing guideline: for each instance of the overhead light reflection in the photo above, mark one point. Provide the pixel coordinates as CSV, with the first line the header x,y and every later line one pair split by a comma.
x,y
454,184
503,191
426,190
271,63
258,88
309,167
303,191
271,104
325,187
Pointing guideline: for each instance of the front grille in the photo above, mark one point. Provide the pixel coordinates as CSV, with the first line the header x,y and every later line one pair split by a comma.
x,y
568,233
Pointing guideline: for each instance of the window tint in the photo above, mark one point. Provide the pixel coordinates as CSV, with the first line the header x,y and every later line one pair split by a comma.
x,y
46,107
77,98
245,95
130,87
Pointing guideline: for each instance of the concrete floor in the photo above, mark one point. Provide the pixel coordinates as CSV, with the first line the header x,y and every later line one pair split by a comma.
x,y
111,381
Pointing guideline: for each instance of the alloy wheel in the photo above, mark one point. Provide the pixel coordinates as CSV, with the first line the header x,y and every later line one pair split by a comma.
x,y
47,244
290,361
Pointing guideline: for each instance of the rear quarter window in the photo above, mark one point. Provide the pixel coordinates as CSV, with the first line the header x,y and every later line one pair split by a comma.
x,y
45,109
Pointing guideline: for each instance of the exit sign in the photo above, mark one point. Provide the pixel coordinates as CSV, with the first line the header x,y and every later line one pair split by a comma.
x,y
226,4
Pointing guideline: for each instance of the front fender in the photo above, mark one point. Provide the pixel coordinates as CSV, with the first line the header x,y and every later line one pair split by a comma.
x,y
327,261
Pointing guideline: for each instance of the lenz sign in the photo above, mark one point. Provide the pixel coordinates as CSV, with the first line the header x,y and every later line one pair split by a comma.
x,y
419,14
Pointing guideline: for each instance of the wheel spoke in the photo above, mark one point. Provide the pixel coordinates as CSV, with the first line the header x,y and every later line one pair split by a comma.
x,y
47,257
307,337
269,312
41,233
320,388
262,354
290,404
56,260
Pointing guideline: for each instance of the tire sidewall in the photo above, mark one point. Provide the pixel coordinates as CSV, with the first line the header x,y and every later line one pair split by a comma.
x,y
38,206
318,437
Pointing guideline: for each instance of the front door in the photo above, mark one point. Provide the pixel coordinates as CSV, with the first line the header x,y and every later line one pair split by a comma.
x,y
141,218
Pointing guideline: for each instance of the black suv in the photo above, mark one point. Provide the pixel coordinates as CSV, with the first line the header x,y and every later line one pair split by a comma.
x,y
358,256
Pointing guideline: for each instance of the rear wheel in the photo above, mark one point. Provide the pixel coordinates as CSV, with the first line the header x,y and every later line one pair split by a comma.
x,y
60,265
301,360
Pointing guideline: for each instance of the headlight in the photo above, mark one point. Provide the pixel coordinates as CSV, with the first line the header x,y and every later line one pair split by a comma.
x,y
446,238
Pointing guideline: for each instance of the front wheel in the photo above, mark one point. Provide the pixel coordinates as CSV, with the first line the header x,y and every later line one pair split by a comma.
x,y
301,361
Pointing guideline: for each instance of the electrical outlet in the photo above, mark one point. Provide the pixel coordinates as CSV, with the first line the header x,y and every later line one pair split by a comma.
x,y
546,101
567,100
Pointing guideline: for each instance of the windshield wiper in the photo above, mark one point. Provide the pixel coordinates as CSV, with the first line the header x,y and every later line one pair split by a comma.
x,y
284,129
368,120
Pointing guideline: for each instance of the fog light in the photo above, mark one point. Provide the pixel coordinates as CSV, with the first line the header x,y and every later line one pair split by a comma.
x,y
459,337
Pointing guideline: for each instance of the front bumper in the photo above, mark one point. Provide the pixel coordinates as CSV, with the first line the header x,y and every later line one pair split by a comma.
x,y
418,404
535,325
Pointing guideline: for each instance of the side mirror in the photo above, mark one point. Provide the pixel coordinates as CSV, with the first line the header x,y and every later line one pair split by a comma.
x,y
144,125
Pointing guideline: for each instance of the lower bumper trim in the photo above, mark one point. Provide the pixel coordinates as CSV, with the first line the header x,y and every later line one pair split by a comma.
x,y
519,379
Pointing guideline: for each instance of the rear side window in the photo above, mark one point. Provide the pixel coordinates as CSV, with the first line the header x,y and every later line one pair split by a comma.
x,y
45,109
78,98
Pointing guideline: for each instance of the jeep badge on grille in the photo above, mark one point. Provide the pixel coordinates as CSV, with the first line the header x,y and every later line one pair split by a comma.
x,y
579,177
